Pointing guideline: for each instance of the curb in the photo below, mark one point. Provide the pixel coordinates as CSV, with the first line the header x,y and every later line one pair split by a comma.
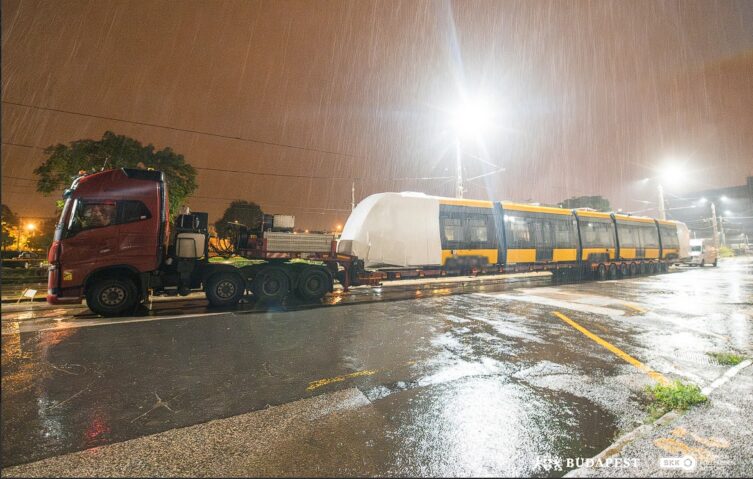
x,y
641,431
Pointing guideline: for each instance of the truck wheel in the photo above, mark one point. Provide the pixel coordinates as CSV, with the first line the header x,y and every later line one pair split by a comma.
x,y
271,284
633,269
225,289
313,284
112,296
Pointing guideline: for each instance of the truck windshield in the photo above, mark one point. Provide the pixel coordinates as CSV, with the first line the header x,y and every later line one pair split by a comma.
x,y
89,214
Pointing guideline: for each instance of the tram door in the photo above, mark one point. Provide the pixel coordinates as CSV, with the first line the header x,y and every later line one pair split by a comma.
x,y
542,234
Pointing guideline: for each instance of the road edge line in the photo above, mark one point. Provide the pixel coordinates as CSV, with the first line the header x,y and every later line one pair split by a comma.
x,y
644,429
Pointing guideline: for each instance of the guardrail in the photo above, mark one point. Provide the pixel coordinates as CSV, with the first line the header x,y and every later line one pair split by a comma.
x,y
25,263
34,274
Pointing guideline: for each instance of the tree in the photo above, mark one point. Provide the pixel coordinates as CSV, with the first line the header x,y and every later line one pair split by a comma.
x,y
243,212
42,237
10,227
596,202
115,151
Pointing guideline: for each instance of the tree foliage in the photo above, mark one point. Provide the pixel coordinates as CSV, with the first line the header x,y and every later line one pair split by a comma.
x,y
10,225
596,202
243,212
115,151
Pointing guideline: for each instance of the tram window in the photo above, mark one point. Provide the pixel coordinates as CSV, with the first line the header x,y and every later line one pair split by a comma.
x,y
596,234
542,232
564,234
629,236
649,237
453,229
477,230
517,232
669,237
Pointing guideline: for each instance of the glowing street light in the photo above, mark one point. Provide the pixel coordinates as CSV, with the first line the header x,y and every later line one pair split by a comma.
x,y
672,173
472,118
469,120
30,227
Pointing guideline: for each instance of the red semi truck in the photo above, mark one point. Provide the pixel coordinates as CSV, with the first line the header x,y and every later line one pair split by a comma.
x,y
115,244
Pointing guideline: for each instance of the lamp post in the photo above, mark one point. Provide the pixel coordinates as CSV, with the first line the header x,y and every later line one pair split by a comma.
x,y
662,207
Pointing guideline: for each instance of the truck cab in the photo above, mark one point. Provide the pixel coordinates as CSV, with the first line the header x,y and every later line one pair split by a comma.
x,y
112,231
702,252
114,245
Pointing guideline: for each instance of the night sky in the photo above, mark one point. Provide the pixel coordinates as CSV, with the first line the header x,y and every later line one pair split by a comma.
x,y
587,97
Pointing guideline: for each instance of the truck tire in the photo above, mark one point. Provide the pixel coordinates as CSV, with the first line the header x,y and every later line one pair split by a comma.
x,y
225,289
112,296
271,285
313,284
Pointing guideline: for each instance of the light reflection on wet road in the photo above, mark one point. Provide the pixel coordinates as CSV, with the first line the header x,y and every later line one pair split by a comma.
x,y
476,384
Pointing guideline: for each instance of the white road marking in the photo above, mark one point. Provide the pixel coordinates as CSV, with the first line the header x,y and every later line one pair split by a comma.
x,y
583,308
731,372
28,328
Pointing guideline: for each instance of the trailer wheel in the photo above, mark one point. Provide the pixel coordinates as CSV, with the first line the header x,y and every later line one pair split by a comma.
x,y
313,284
225,289
624,270
601,273
633,269
112,296
271,284
613,272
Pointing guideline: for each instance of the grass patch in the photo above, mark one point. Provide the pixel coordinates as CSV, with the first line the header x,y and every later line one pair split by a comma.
x,y
727,359
677,395
726,252
236,261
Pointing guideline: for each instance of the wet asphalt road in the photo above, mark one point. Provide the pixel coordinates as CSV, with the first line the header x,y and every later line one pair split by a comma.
x,y
489,382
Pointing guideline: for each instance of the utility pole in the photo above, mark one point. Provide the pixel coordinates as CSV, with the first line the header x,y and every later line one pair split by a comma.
x,y
353,196
721,227
459,165
713,225
662,210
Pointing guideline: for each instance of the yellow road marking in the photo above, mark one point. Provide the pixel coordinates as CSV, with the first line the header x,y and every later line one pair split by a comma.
x,y
635,307
717,442
323,382
366,372
675,446
680,432
617,351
